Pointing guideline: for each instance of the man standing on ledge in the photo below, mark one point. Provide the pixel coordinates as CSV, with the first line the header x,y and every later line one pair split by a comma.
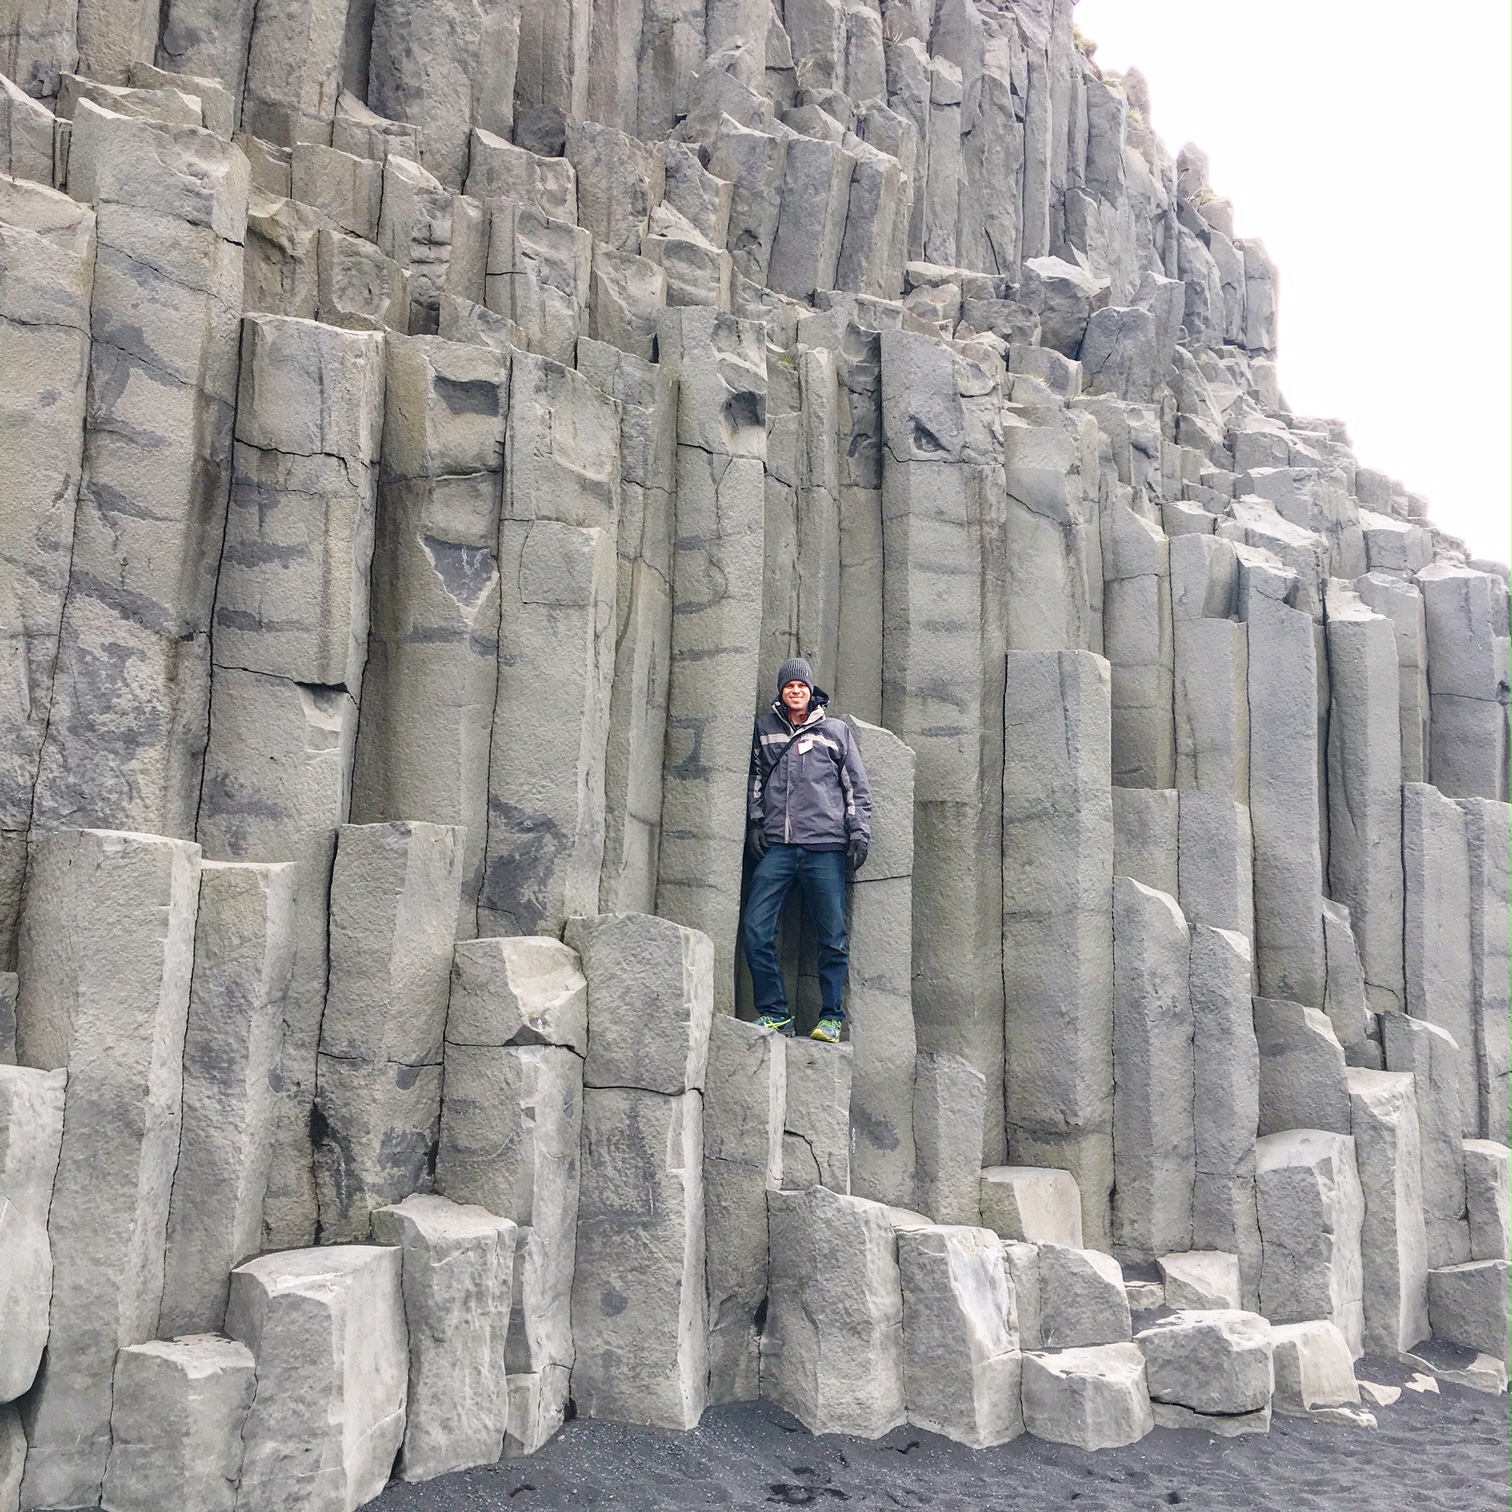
x,y
809,821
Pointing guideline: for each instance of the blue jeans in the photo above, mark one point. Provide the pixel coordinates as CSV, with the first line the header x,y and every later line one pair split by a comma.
x,y
821,875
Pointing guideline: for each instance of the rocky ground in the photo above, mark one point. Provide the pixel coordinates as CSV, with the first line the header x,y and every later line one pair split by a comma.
x,y
1444,1452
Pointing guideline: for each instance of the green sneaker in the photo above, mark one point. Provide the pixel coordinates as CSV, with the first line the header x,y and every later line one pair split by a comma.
x,y
781,1022
828,1029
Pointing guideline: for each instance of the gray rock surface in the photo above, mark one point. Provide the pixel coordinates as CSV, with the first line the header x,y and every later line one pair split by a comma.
x,y
107,947
1468,1304
1313,1368
879,1009
745,1097
176,1420
961,1362
716,596
1488,1197
1393,1238
243,952
439,423
1214,1362
1058,921
31,1132
326,1328
949,1100
1201,1279
816,1125
1029,1203
1093,1398
394,896
1153,1141
837,1370
1311,1209
650,1001
456,1275
639,1297
1225,1101
1302,1071
1081,1298
510,1143
1429,1054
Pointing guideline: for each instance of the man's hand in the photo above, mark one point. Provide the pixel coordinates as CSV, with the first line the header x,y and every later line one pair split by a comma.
x,y
855,855
757,840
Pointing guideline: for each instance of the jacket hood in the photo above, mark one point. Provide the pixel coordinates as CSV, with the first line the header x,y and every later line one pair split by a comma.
x,y
818,702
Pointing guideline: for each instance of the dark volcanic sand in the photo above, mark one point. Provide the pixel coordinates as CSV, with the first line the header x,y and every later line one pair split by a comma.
x,y
1445,1453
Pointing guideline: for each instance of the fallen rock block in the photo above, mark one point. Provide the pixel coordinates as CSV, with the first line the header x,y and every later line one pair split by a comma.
x,y
31,1131
1212,1363
1469,1304
537,1408
176,1425
1081,1298
1033,1203
961,1362
836,1368
1201,1279
458,1268
1314,1368
1488,1197
326,1328
1091,1398
1311,1213
1393,1239
1459,1366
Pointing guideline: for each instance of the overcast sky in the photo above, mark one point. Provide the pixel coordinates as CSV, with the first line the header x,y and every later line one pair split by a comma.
x,y
1367,145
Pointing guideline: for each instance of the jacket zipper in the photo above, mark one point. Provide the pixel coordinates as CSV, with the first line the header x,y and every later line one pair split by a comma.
x,y
787,802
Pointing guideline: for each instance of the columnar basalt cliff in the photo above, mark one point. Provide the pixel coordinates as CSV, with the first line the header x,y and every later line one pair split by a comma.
x,y
424,431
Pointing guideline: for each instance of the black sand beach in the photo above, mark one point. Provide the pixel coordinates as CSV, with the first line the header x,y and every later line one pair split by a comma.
x,y
1430,1453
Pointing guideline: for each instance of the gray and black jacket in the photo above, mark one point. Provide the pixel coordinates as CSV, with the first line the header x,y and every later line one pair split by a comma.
x,y
807,785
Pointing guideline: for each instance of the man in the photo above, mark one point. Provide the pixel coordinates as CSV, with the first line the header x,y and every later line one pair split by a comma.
x,y
809,817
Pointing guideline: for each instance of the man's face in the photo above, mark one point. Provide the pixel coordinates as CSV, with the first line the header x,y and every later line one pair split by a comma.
x,y
795,695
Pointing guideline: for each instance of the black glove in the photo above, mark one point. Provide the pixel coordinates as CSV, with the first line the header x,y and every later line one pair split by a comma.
x,y
855,855
757,840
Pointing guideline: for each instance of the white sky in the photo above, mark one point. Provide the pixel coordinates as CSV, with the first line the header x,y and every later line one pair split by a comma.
x,y
1367,145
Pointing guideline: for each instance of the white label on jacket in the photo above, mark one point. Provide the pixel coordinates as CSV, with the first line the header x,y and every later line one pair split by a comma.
x,y
804,746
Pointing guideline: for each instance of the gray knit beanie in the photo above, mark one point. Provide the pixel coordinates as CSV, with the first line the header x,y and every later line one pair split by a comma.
x,y
794,669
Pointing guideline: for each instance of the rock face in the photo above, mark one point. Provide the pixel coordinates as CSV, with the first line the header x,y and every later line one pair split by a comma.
x,y
424,433
961,1364
31,1131
106,959
458,1266
837,1369
1092,1398
326,1329
176,1423
243,953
